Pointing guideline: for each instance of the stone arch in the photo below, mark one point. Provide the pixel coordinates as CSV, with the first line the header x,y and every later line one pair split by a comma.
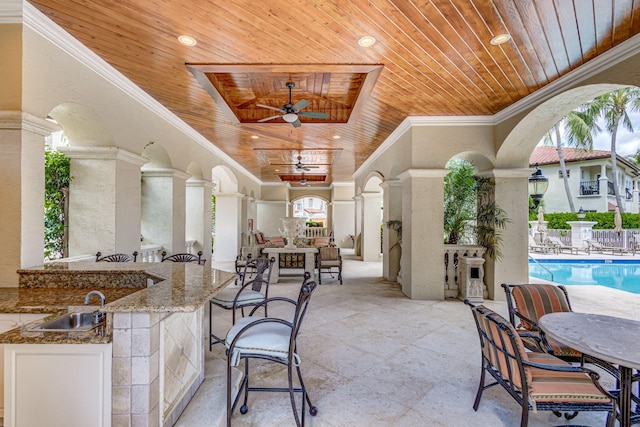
x,y
370,217
479,161
517,147
372,182
82,125
225,180
157,155
195,171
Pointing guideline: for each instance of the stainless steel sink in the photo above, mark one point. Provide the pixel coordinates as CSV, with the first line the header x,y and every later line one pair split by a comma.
x,y
70,322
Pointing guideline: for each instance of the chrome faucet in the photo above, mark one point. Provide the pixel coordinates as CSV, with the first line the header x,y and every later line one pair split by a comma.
x,y
88,297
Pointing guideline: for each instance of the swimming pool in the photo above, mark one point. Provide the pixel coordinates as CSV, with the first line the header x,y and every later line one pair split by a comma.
x,y
617,274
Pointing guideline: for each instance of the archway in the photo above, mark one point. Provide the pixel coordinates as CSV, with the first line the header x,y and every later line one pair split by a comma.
x,y
228,226
371,216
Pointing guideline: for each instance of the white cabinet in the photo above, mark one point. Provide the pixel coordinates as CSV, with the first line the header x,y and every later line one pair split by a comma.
x,y
68,383
10,321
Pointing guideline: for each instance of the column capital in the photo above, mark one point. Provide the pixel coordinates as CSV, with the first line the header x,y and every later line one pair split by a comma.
x,y
423,173
164,172
391,183
103,153
199,183
230,195
13,119
506,173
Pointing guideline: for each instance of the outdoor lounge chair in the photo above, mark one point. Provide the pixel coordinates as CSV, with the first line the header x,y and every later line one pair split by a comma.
x,y
537,381
561,247
534,247
593,245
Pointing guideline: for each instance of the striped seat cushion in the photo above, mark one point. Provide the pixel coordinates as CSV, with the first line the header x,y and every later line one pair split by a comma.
x,y
553,386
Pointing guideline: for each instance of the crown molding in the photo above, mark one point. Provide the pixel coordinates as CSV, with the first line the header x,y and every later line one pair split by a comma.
x,y
11,11
43,26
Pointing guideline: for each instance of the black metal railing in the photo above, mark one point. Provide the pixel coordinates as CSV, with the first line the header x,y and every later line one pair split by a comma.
x,y
589,188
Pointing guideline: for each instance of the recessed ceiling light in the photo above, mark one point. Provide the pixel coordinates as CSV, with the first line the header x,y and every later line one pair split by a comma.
x,y
277,170
367,41
254,137
187,40
336,136
500,39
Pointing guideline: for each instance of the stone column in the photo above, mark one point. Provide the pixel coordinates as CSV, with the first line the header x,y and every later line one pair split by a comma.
x,y
164,208
581,231
371,209
391,250
342,227
198,224
22,192
104,200
359,217
228,215
512,196
422,233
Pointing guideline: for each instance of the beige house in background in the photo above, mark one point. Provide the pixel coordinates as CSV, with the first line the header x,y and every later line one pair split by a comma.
x,y
589,174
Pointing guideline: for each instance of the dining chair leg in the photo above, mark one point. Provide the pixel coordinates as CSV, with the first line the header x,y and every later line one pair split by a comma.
x,y
292,397
312,409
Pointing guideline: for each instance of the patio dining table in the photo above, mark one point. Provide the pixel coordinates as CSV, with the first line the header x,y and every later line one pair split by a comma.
x,y
611,339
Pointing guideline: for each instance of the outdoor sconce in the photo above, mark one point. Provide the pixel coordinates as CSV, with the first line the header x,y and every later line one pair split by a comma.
x,y
538,184
581,214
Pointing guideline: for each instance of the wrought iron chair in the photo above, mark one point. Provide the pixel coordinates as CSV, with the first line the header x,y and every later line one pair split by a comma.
x,y
247,253
183,258
329,258
272,339
249,294
535,380
527,303
116,257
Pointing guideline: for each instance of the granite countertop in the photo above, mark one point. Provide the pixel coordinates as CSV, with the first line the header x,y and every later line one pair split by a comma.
x,y
178,287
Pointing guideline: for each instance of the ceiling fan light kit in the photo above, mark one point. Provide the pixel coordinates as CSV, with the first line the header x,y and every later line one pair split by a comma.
x,y
291,112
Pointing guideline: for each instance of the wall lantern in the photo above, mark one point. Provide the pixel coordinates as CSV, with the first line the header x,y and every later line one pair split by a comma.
x,y
581,214
538,184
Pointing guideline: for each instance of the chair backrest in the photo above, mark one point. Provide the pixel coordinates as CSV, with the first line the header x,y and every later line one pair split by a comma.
x,y
555,240
328,253
116,257
534,300
260,239
321,241
276,240
245,251
183,258
260,266
502,348
304,296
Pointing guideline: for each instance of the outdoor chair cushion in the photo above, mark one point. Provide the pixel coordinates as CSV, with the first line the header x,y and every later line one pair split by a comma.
x,y
268,339
559,350
533,302
554,386
276,241
226,297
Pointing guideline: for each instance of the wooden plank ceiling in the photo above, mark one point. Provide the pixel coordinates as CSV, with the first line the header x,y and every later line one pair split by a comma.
x,y
431,58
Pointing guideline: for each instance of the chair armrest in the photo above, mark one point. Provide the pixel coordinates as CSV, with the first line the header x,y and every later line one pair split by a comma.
x,y
268,300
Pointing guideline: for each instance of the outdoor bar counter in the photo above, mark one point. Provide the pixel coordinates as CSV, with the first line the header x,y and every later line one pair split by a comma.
x,y
154,332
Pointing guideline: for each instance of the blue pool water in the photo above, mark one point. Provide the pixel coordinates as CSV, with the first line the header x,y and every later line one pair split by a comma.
x,y
617,274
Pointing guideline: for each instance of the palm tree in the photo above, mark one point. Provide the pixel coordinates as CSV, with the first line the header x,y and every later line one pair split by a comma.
x,y
614,108
578,127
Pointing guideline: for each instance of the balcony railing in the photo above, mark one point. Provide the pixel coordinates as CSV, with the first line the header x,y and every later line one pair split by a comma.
x,y
589,188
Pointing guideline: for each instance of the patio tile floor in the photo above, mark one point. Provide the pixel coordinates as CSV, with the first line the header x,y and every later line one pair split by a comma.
x,y
372,357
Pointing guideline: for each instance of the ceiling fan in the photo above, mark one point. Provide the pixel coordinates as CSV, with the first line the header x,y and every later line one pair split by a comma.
x,y
291,112
302,167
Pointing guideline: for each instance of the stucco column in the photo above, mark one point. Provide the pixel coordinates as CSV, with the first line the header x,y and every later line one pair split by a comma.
x,y
228,215
21,192
104,200
164,208
342,228
391,251
511,194
635,200
371,217
198,216
358,225
422,233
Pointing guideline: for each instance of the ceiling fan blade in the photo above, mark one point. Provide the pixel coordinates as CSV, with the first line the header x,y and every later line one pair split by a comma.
x,y
303,103
269,118
270,107
297,123
314,114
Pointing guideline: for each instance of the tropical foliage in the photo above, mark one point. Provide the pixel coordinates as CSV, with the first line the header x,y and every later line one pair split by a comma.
x,y
468,198
57,179
558,221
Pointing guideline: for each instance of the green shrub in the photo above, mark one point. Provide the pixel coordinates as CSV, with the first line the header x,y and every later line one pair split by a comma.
x,y
558,221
